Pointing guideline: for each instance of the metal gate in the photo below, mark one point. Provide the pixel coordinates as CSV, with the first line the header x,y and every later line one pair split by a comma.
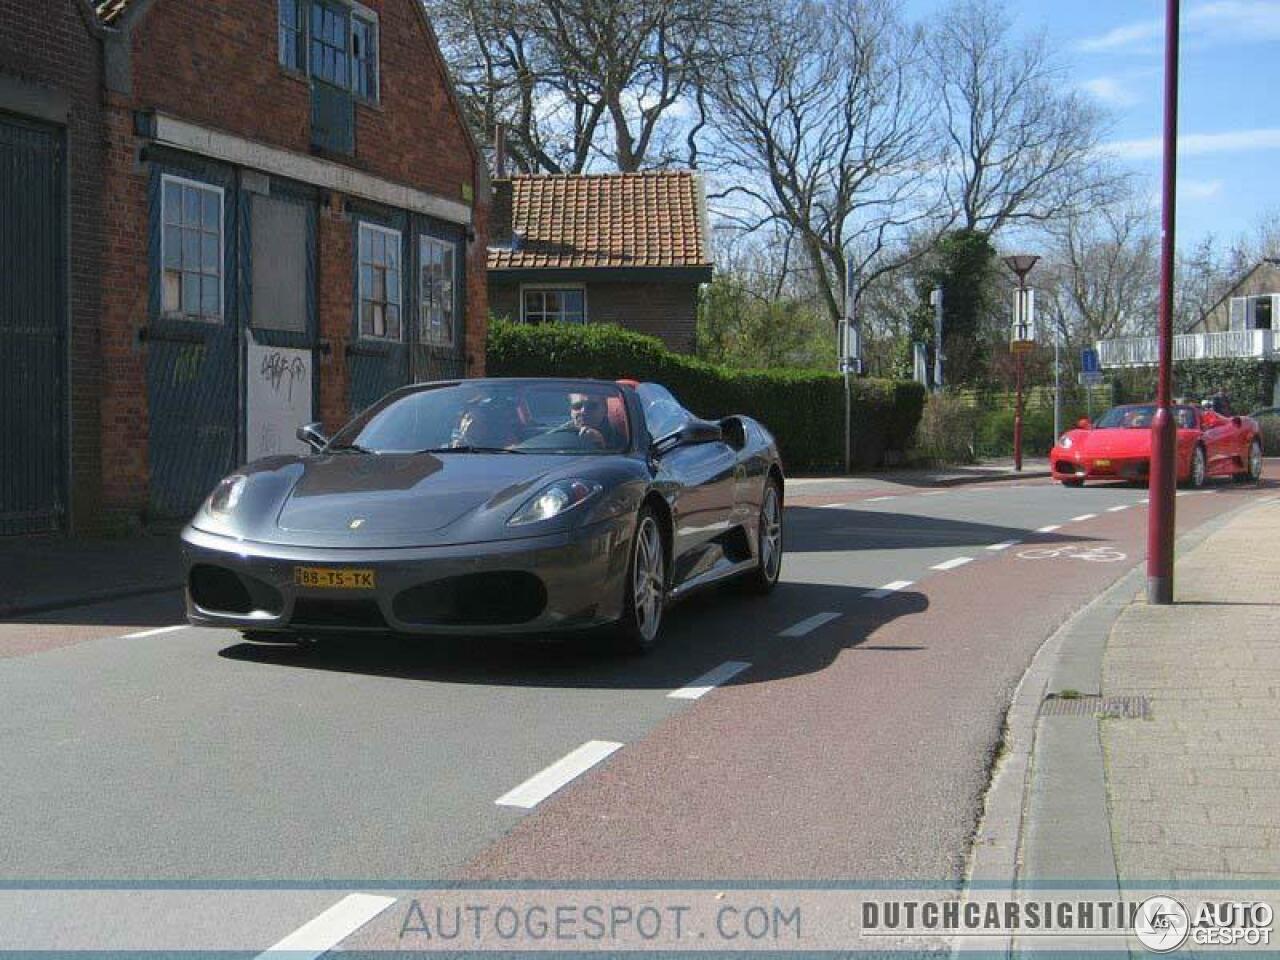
x,y
32,334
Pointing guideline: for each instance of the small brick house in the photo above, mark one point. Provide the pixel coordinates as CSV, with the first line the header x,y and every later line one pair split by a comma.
x,y
292,220
625,248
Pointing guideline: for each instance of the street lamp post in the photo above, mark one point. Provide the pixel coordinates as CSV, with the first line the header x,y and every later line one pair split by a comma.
x,y
1160,518
935,299
1020,264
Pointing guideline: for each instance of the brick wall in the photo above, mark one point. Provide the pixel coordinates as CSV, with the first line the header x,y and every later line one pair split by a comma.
x,y
334,253
667,311
49,44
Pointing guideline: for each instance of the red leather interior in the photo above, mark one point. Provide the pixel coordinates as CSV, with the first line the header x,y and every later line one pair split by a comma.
x,y
617,414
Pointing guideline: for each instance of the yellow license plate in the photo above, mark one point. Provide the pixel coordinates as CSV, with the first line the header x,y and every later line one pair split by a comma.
x,y
1102,464
334,578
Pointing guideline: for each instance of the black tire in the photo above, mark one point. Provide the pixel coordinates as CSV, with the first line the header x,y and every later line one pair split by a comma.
x,y
1252,473
1199,471
639,628
769,541
1073,483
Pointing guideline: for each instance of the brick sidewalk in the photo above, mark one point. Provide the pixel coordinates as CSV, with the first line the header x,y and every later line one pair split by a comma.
x,y
38,575
1193,791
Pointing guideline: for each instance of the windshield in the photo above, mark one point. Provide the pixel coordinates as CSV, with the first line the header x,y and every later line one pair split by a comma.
x,y
1139,418
493,417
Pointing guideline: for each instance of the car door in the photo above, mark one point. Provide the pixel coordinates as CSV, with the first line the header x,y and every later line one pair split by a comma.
x,y
697,480
1218,436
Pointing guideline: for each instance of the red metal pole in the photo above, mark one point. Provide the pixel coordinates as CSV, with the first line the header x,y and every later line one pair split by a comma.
x,y
1160,518
1017,420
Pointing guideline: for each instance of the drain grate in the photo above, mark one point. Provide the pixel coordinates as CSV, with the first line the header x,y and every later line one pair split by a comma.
x,y
1104,708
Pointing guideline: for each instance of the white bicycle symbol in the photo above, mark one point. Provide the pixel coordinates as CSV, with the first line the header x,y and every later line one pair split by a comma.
x,y
1071,552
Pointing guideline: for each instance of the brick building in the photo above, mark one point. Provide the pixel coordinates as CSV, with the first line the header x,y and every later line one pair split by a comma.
x,y
630,249
292,221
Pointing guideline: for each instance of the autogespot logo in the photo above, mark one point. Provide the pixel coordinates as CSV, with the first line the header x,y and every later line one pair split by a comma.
x,y
1162,924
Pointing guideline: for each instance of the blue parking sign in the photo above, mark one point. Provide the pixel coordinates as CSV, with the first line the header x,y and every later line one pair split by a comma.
x,y
1089,361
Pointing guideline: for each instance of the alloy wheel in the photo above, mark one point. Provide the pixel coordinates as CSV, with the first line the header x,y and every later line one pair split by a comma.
x,y
648,579
771,534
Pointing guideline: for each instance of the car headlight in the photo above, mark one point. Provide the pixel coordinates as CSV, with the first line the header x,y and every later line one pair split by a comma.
x,y
226,495
553,500
1064,442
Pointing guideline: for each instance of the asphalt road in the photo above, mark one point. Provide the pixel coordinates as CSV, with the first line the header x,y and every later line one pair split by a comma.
x,y
850,742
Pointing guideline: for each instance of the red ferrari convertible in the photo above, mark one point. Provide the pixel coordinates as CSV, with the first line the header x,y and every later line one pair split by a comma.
x,y
1118,447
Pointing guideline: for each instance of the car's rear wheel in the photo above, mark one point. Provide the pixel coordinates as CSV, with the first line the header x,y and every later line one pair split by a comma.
x,y
646,587
1252,472
768,541
1199,469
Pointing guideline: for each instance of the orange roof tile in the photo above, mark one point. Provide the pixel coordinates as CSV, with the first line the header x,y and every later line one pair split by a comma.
x,y
618,220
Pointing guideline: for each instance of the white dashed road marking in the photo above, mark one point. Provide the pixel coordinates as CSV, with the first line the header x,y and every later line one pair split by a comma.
x,y
1050,528
542,785
1123,506
952,563
892,496
317,937
808,625
153,633
1082,518
881,592
710,680
1004,545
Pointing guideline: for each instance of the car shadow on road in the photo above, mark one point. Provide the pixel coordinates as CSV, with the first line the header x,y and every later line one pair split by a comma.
x,y
699,633
820,530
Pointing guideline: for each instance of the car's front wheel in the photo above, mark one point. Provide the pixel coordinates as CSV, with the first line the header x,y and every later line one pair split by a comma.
x,y
646,587
1199,470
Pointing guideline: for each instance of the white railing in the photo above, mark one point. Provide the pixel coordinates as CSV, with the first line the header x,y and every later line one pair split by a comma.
x,y
1144,351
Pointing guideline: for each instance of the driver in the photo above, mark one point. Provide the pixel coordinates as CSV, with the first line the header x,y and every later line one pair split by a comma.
x,y
589,419
486,423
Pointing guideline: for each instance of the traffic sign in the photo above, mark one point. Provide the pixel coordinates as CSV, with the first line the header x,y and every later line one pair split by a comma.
x,y
1021,346
1089,361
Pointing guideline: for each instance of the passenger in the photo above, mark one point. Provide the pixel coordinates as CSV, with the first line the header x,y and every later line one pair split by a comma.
x,y
589,419
487,422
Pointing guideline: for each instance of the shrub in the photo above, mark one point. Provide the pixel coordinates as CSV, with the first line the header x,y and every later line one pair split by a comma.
x,y
1270,428
803,408
995,432
946,431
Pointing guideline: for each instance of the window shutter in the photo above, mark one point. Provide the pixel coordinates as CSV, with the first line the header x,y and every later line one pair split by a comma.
x,y
1238,311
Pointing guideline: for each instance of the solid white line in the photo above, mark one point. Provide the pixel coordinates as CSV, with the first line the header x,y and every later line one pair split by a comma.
x,y
881,592
1004,545
892,496
542,785
952,563
317,937
710,680
1123,506
152,633
1082,518
1050,528
808,624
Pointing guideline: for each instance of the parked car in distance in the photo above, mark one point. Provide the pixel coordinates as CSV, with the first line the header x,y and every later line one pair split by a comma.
x,y
1118,447
490,506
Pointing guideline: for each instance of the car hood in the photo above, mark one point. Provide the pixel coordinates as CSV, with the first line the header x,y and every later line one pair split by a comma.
x,y
1108,442
355,500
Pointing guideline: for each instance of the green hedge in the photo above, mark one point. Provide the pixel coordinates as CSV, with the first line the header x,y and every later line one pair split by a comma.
x,y
1249,383
803,408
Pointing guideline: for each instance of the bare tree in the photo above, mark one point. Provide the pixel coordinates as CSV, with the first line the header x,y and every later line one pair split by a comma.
x,y
1020,141
822,128
1104,273
574,81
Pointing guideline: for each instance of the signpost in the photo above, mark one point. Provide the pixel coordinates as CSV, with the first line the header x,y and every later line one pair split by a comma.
x,y
849,346
1090,376
935,299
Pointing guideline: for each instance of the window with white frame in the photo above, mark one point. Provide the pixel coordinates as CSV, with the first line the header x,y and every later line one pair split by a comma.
x,y
379,255
333,41
191,249
554,305
437,295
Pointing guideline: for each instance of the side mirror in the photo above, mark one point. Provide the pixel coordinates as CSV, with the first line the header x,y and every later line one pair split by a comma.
x,y
693,432
311,435
1084,424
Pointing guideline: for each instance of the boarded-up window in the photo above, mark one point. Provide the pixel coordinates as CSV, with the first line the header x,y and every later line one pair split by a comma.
x,y
279,265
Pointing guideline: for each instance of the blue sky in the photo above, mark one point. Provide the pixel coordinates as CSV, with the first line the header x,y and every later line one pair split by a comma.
x,y
1229,109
